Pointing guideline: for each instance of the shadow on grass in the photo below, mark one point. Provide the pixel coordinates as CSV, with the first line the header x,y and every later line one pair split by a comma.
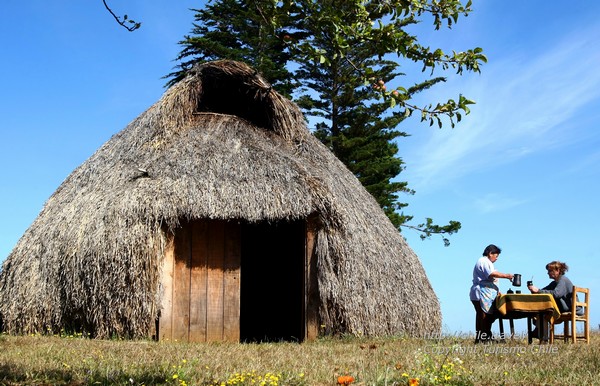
x,y
11,375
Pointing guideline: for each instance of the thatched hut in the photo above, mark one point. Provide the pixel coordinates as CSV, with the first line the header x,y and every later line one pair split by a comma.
x,y
215,215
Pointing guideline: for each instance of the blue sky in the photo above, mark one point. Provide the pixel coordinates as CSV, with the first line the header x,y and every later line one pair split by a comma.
x,y
521,171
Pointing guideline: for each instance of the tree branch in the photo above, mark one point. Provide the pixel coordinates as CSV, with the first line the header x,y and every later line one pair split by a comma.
x,y
429,228
133,25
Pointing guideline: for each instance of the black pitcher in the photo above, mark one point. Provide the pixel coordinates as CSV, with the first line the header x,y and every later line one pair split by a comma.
x,y
516,280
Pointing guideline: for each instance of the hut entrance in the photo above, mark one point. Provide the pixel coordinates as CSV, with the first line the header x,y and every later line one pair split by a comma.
x,y
273,282
225,280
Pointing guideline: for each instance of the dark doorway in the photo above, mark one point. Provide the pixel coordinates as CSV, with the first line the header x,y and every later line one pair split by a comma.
x,y
272,282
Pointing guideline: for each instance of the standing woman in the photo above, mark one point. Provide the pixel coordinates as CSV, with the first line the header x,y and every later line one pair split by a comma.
x,y
484,291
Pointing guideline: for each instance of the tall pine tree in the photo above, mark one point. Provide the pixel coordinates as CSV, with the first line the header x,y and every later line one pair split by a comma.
x,y
357,126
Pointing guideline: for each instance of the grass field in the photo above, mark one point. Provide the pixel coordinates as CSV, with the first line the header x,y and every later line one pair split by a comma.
x,y
451,360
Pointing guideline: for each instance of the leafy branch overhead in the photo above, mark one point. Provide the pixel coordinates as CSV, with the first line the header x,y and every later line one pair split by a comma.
x,y
382,25
124,21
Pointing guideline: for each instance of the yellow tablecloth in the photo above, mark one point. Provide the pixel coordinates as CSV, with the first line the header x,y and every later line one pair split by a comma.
x,y
528,303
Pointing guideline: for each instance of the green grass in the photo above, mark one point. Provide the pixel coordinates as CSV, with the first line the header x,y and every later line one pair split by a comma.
x,y
72,360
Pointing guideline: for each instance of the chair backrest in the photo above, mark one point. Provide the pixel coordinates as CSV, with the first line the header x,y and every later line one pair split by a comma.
x,y
572,317
584,305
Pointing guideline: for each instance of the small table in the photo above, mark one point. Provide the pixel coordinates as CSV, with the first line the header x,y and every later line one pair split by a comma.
x,y
518,306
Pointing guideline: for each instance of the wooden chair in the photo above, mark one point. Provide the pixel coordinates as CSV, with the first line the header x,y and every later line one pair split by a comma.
x,y
571,318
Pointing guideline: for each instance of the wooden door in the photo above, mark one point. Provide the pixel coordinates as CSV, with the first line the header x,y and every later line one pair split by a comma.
x,y
201,283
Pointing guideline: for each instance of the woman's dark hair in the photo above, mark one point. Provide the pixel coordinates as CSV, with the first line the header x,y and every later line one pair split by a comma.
x,y
558,266
491,249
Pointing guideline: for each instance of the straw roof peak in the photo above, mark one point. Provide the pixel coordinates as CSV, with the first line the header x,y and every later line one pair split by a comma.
x,y
234,88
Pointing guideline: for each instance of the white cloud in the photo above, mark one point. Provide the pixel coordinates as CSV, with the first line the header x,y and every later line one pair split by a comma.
x,y
524,105
494,202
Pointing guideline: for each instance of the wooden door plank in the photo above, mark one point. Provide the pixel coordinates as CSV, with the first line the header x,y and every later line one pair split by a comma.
x,y
165,323
198,281
181,285
311,295
231,282
216,247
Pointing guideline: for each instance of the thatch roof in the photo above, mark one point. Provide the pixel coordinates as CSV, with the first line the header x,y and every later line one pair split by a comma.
x,y
220,144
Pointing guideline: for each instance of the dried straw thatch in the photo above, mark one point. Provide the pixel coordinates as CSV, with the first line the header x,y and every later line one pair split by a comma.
x,y
220,144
